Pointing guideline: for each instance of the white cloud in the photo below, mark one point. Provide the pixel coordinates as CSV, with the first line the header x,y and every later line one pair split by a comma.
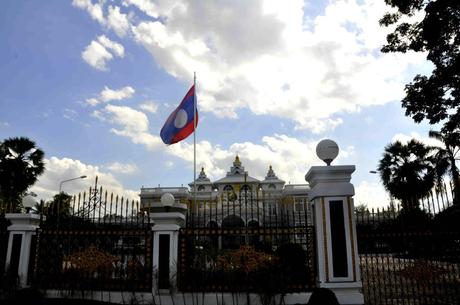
x,y
4,124
101,51
115,47
107,95
149,106
123,168
404,138
309,69
70,114
58,170
321,70
131,123
117,21
116,95
94,10
372,194
290,157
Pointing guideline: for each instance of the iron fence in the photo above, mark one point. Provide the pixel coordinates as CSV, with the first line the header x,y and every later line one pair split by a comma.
x,y
410,253
92,241
247,245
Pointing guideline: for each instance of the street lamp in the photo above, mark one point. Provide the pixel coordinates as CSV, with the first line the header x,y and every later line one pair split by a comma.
x,y
62,182
373,172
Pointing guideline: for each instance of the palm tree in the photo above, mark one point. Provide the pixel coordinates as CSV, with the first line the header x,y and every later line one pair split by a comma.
x,y
21,162
408,171
445,158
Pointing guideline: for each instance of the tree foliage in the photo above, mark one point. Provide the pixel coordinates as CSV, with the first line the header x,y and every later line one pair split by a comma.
x,y
59,206
434,97
21,162
445,158
408,170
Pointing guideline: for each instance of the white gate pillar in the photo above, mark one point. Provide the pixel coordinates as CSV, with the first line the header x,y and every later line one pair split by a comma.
x,y
336,247
21,233
167,220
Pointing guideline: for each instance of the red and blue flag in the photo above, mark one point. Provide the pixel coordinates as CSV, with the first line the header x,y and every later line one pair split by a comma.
x,y
180,123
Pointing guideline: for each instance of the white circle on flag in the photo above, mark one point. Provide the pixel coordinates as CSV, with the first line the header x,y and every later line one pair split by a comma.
x,y
181,119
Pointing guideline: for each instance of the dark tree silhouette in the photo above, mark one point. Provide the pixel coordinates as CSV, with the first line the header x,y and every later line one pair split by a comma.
x,y
445,158
21,162
435,97
408,171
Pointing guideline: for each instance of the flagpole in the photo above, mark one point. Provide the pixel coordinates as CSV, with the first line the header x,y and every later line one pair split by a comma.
x,y
194,140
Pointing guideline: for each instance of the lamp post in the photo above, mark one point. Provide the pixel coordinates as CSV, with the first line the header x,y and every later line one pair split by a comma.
x,y
60,190
62,182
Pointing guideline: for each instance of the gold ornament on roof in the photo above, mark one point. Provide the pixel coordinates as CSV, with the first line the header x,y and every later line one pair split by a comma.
x,y
237,161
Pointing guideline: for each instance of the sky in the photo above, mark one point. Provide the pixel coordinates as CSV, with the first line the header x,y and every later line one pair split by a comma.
x,y
92,83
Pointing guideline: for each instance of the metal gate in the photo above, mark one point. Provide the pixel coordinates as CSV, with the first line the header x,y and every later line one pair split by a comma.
x,y
93,244
411,255
247,245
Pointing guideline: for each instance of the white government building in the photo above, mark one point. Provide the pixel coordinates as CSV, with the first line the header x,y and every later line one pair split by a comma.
x,y
236,199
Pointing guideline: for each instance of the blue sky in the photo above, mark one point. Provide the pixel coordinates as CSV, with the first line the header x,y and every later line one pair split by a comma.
x,y
92,82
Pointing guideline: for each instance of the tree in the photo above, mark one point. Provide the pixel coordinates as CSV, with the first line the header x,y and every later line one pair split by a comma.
x,y
59,206
21,162
361,208
435,97
408,171
445,158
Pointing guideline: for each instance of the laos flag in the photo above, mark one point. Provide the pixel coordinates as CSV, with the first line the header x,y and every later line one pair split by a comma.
x,y
179,124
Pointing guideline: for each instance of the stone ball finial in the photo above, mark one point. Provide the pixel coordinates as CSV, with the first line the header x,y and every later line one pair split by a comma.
x,y
167,199
327,150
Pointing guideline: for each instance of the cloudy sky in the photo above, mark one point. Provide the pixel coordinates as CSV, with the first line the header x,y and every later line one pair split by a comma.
x,y
92,82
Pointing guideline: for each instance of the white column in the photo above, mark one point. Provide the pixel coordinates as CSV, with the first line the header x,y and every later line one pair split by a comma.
x,y
167,223
25,226
331,195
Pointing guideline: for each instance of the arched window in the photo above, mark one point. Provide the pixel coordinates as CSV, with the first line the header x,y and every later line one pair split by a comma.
x,y
228,188
232,221
200,188
232,241
245,188
253,239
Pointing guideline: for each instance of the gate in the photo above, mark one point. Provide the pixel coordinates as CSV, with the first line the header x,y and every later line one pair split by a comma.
x,y
93,244
411,255
247,245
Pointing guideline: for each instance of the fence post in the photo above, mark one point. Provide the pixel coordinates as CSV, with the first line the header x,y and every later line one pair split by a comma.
x,y
333,211
167,220
21,243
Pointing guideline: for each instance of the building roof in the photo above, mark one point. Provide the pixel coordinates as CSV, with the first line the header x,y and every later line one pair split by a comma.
x,y
202,179
271,177
237,179
237,174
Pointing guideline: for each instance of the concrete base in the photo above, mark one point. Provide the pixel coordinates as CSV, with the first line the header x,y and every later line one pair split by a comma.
x,y
343,296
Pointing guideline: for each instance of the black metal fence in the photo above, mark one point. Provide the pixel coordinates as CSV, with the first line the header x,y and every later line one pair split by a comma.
x,y
247,245
92,242
410,253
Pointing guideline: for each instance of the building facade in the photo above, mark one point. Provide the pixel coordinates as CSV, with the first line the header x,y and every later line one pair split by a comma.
x,y
237,199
